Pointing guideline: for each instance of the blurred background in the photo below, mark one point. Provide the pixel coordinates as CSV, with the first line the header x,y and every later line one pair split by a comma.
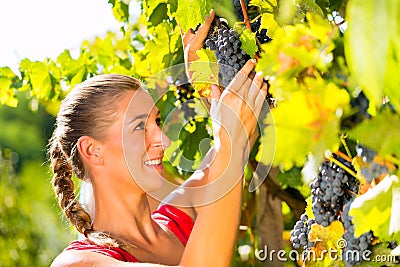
x,y
32,229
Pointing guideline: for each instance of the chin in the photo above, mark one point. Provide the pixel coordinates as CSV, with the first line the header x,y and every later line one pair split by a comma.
x,y
152,182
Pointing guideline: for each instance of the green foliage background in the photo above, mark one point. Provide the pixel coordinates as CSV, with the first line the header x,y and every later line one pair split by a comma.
x,y
315,69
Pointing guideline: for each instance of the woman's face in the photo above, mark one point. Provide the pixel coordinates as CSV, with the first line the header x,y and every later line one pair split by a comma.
x,y
136,143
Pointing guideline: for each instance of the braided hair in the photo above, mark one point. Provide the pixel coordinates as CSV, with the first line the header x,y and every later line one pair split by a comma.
x,y
88,110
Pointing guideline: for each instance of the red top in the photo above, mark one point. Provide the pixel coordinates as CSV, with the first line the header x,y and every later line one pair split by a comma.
x,y
174,219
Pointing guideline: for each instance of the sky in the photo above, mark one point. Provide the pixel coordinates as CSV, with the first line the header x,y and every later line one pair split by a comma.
x,y
37,29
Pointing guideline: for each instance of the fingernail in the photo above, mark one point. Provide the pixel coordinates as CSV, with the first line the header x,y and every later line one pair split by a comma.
x,y
259,73
253,60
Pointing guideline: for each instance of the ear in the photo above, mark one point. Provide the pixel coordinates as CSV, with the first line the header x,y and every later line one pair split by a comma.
x,y
90,150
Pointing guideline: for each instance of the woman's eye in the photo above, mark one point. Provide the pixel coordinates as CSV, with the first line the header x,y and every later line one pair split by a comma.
x,y
159,121
140,126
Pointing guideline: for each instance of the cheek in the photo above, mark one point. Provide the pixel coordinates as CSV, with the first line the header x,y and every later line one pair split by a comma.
x,y
134,148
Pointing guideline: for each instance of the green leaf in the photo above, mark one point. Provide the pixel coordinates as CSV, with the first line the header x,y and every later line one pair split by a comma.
x,y
150,5
380,252
191,13
290,178
380,133
326,239
7,93
249,44
195,142
370,59
158,14
120,10
39,78
381,201
205,71
308,121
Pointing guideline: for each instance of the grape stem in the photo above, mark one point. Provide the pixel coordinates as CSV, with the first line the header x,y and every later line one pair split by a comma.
x,y
393,160
343,156
341,165
246,17
342,139
247,23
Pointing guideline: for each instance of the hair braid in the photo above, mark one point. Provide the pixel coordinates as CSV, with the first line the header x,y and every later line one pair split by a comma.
x,y
64,189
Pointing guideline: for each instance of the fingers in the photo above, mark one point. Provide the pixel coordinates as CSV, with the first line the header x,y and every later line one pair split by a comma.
x,y
202,32
242,75
261,97
216,93
186,37
255,88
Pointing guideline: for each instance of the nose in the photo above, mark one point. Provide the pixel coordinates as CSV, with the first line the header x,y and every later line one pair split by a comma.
x,y
157,138
165,140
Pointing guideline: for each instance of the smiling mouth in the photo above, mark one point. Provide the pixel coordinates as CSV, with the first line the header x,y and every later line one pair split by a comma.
x,y
153,162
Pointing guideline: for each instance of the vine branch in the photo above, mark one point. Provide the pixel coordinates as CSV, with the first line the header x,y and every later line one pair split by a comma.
x,y
247,23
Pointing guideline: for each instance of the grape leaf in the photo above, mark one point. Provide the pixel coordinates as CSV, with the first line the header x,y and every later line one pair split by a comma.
x,y
191,13
308,210
381,201
380,252
39,78
205,71
290,178
120,10
387,124
298,49
7,93
249,44
364,16
149,6
268,22
306,123
157,53
158,15
326,239
392,79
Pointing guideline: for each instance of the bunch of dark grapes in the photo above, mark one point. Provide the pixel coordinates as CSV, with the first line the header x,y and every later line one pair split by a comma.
x,y
330,191
360,104
372,169
238,8
231,58
252,12
263,37
299,234
185,93
355,247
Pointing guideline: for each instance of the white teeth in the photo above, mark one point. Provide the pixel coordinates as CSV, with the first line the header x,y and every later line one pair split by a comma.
x,y
153,162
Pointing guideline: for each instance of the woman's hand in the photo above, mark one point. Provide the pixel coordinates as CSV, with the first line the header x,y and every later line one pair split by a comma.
x,y
194,41
235,111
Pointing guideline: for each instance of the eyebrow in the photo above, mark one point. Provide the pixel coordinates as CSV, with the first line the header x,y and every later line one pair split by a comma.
x,y
141,116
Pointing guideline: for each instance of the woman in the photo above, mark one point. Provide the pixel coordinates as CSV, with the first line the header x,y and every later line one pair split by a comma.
x,y
97,129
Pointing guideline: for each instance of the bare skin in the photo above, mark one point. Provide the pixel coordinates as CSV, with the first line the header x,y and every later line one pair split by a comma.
x,y
122,206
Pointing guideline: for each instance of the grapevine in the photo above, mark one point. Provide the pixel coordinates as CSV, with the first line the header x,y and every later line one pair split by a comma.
x,y
338,183
330,191
358,244
231,58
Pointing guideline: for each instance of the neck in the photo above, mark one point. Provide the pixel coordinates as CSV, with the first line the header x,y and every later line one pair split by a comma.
x,y
125,214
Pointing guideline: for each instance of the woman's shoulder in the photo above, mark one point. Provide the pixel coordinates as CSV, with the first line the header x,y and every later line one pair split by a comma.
x,y
83,252
175,219
78,258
